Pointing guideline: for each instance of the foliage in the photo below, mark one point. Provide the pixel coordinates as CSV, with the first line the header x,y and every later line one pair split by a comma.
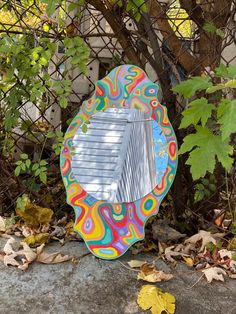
x,y
153,298
205,188
37,169
25,79
135,7
213,117
58,137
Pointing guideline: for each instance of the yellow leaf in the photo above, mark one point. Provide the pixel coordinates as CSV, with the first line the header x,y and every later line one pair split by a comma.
x,y
153,298
150,274
70,227
35,215
36,239
188,261
136,264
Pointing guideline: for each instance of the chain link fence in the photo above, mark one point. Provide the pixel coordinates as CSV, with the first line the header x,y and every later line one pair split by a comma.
x,y
52,53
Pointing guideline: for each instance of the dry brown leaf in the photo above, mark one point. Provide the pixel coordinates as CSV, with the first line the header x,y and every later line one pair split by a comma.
x,y
10,260
232,276
53,258
225,253
205,237
150,274
136,264
212,273
169,253
2,224
30,255
8,246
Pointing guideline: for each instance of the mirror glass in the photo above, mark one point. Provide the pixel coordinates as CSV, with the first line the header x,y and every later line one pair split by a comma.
x,y
121,157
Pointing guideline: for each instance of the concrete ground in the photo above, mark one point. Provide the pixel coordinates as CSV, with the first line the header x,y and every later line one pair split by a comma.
x,y
94,286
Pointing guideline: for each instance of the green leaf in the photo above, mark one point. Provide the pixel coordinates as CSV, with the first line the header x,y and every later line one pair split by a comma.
x,y
209,27
51,6
84,128
24,156
226,72
19,162
215,88
204,148
199,195
226,113
43,177
37,172
51,134
17,171
35,167
197,110
28,163
231,84
189,87
63,102
43,163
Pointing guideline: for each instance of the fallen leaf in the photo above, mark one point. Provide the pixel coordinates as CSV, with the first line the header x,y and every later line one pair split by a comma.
x,y
212,273
8,246
2,225
169,253
10,260
232,276
150,274
36,239
153,298
70,227
35,215
205,237
136,263
188,261
53,258
225,254
24,257
28,252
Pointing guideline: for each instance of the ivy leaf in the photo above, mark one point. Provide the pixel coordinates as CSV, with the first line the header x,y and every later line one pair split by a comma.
x,y
226,113
199,109
204,148
188,88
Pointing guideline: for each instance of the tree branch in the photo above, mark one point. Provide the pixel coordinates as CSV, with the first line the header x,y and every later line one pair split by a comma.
x,y
188,62
118,27
194,11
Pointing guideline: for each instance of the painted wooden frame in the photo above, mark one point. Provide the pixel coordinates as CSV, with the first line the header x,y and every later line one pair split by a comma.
x,y
109,229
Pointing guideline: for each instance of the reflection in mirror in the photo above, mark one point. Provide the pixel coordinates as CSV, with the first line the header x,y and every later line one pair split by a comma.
x,y
122,156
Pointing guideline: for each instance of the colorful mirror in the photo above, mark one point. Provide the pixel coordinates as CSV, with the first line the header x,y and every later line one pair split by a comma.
x,y
118,161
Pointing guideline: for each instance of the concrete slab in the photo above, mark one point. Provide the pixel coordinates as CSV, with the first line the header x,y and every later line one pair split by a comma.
x,y
96,286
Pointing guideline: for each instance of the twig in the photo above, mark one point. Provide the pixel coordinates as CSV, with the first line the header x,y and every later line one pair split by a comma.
x,y
190,287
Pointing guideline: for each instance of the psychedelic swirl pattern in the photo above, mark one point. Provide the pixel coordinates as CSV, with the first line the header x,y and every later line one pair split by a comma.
x,y
110,229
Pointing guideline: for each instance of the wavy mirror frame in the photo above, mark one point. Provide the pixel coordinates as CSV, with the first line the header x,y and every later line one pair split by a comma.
x,y
110,229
